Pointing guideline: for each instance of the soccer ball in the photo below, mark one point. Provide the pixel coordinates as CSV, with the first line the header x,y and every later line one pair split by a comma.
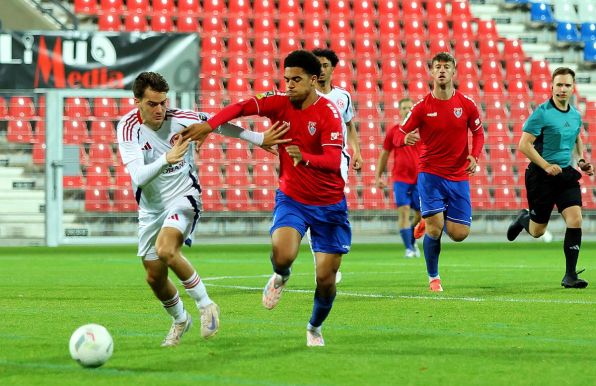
x,y
91,345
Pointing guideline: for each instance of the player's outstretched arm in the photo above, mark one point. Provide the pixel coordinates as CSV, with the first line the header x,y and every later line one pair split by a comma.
x,y
197,132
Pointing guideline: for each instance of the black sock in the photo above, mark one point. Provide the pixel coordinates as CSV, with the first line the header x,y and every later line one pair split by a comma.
x,y
525,221
571,246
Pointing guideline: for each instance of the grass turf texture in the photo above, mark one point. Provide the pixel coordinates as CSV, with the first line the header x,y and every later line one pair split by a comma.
x,y
503,319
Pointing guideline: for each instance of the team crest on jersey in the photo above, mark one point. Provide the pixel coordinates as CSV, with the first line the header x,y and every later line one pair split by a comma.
x,y
312,127
341,104
334,136
174,139
203,116
457,111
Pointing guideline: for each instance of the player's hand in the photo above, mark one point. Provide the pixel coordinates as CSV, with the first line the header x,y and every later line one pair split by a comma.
x,y
553,170
357,161
176,154
197,132
380,183
587,168
294,153
412,137
273,136
471,168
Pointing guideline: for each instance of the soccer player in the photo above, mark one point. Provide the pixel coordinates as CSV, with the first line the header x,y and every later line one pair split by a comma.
x,y
168,192
311,186
550,137
343,101
405,176
443,118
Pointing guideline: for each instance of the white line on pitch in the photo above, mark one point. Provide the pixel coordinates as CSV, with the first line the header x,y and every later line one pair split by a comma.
x,y
420,297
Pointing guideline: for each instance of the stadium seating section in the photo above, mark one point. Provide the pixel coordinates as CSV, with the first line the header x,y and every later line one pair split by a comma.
x,y
242,45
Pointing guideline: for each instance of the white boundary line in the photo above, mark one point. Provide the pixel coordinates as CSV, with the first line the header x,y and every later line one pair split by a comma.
x,y
385,296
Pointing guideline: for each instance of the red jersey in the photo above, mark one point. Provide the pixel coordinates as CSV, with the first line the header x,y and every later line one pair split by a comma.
x,y
405,158
443,127
311,129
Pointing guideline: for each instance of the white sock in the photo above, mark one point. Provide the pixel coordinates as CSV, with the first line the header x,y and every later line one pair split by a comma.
x,y
433,278
175,308
310,327
196,290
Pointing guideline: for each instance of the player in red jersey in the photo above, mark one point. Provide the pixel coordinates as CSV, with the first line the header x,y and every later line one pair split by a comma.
x,y
311,185
405,177
443,118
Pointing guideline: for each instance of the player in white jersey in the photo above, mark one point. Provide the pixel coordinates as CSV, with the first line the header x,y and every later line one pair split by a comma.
x,y
168,192
343,100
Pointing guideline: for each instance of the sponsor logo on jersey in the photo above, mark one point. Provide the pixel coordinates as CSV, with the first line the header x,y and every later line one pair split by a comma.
x,y
174,217
334,136
428,115
147,146
312,127
457,111
265,94
173,168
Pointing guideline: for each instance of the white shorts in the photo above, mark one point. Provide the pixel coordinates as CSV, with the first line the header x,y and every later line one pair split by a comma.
x,y
183,214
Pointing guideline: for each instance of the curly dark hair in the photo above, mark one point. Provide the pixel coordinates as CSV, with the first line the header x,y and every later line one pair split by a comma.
x,y
305,60
327,53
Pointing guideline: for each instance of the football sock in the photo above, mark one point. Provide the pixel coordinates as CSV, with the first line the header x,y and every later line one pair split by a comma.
x,y
571,247
412,234
283,272
406,236
432,249
175,308
321,308
196,290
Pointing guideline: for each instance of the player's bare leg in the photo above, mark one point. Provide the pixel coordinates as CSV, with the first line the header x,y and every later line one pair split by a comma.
x,y
285,243
327,267
314,259
168,244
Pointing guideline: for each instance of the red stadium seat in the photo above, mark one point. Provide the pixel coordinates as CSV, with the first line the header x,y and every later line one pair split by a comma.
x,y
518,90
264,8
188,8
21,107
289,44
365,47
77,108
539,70
264,27
212,200
467,70
339,8
480,197
469,88
237,152
19,131
495,111
238,8
365,27
414,28
211,66
436,10
462,30
74,181
339,27
210,153
3,108
367,91
418,89
264,198
519,110
541,91
488,49
417,70
515,70
352,198
85,7
412,8
264,67
105,108
236,176
491,70
512,49
460,11
75,132
38,154
102,132
137,6
438,45
212,26
438,29
493,91
487,29
135,23
364,8
237,200
111,5
238,27
314,27
211,85
289,8
210,175
165,7
289,27
416,49
238,48
187,24
374,199
391,48
96,191
315,8
210,103
465,50
101,154
162,23
389,27
391,68
212,7
367,68
388,8
124,200
505,198
343,48
262,85
126,105
238,66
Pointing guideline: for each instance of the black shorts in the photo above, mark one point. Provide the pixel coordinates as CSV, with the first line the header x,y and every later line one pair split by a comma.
x,y
544,191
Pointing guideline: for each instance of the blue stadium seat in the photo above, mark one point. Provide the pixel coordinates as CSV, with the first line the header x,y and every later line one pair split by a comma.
x,y
590,51
588,31
541,12
567,32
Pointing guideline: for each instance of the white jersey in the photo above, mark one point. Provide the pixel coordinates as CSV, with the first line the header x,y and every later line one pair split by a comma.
x,y
137,141
343,101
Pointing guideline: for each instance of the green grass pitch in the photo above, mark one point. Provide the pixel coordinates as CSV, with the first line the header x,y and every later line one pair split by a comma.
x,y
503,319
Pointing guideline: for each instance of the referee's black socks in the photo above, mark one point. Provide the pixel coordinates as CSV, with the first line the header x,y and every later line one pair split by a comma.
x,y
571,247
